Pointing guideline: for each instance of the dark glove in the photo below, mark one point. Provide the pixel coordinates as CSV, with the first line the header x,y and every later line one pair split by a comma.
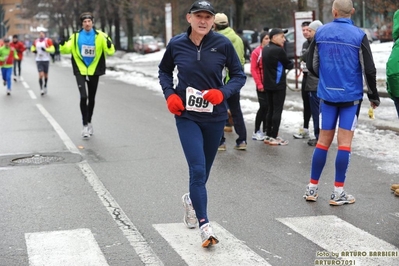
x,y
35,52
109,43
214,96
43,49
175,104
62,42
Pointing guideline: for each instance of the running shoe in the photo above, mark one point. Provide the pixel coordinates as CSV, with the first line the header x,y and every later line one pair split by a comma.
x,y
222,147
303,134
189,219
241,146
4,82
394,187
228,129
266,140
85,132
396,192
259,135
90,126
42,92
8,92
278,141
311,193
15,79
338,199
312,142
207,236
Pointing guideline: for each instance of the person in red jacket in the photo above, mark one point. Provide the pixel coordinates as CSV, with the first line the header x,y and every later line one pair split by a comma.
x,y
20,48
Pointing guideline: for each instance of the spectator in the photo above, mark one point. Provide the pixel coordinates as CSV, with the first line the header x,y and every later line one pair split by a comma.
x,y
257,74
275,62
304,132
393,74
247,47
233,102
311,87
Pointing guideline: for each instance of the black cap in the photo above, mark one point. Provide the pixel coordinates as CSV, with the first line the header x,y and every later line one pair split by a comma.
x,y
202,6
276,31
15,36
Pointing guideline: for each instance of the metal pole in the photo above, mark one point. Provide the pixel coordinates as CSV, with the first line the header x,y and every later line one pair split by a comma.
x,y
364,14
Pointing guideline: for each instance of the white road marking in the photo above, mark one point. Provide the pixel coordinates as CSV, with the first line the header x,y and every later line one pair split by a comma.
x,y
26,86
229,251
66,248
32,94
337,236
64,137
136,240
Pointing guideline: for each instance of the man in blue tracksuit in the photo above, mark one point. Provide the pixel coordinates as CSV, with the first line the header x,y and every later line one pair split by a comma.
x,y
198,103
339,55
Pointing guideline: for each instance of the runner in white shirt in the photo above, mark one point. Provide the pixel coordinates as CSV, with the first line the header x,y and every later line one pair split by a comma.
x,y
42,47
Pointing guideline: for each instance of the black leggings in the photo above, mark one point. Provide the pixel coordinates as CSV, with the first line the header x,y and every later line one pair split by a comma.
x,y
17,64
87,99
306,103
262,111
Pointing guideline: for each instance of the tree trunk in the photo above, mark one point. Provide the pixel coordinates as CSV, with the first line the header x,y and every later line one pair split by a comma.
x,y
302,5
320,7
239,13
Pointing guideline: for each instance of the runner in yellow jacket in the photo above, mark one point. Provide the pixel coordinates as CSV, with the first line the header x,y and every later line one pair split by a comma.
x,y
89,48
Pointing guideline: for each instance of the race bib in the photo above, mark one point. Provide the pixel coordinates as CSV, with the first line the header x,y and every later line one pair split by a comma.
x,y
88,51
195,102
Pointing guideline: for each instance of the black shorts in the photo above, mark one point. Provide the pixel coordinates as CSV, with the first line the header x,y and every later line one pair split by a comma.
x,y
42,66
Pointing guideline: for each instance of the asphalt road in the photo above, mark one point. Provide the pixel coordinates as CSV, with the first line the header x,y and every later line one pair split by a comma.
x,y
124,185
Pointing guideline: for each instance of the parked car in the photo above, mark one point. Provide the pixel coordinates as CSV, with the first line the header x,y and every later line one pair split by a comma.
x,y
145,44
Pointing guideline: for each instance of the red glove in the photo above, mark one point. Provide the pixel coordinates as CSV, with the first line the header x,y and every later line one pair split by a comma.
x,y
214,96
175,104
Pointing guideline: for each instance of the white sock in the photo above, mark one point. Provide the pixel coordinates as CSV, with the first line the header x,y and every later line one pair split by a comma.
x,y
339,190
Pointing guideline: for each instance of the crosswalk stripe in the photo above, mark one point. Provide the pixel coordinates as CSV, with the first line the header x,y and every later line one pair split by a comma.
x,y
66,248
187,243
344,240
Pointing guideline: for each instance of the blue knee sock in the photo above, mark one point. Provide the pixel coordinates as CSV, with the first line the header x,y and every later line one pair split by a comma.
x,y
318,161
341,165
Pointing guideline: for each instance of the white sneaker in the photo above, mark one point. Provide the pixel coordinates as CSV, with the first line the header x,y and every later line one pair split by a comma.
x,y
259,135
85,132
190,218
207,236
90,126
8,92
42,92
303,134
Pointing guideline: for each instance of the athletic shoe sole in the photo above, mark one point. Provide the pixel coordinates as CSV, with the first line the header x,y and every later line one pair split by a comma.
x,y
310,198
210,242
339,203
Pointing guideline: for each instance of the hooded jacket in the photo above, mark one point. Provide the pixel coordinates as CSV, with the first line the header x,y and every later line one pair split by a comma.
x,y
392,68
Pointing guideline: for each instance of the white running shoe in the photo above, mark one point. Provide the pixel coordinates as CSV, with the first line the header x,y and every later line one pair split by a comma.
x,y
259,135
90,126
303,134
207,236
85,132
278,141
189,219
42,92
8,92
311,193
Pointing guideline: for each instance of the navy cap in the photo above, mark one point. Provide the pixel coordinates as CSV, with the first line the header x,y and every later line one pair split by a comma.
x,y
202,6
